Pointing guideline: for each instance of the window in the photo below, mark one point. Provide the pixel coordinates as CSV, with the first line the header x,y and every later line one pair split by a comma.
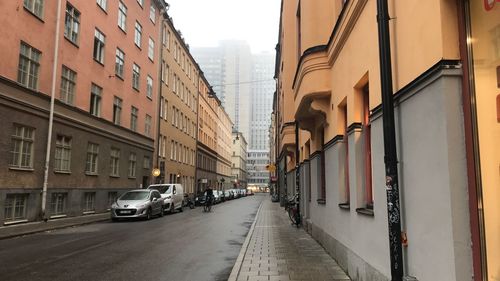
x,y
99,42
168,40
58,203
133,118
136,75
62,156
15,207
174,88
138,34
151,49
95,100
68,81
162,104
171,150
164,147
34,6
149,87
367,153
22,147
146,162
120,63
132,161
103,4
112,196
122,16
89,202
117,110
152,13
114,162
72,24
29,66
343,112
92,158
166,110
147,126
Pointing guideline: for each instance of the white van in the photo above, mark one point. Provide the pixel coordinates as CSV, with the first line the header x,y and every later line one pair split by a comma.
x,y
172,195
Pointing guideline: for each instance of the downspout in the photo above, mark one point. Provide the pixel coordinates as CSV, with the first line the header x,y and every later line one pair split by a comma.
x,y
51,112
390,151
160,91
297,171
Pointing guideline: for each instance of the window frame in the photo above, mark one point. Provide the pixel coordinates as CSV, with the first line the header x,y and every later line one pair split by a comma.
x,y
138,34
95,100
92,159
63,145
30,5
25,139
122,16
136,77
30,77
72,17
114,162
99,46
13,205
68,85
132,165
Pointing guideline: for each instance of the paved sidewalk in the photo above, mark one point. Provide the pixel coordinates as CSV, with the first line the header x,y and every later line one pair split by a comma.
x,y
40,226
276,250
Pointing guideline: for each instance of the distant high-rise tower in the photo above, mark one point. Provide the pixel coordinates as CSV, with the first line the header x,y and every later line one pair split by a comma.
x,y
245,85
228,68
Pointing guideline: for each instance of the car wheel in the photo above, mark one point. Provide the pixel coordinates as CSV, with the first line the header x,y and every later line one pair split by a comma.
x,y
181,208
161,211
172,208
148,214
114,219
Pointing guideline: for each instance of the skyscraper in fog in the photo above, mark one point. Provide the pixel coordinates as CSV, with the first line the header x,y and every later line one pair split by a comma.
x,y
244,83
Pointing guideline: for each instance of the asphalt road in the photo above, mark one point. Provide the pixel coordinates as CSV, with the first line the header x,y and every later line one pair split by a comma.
x,y
192,245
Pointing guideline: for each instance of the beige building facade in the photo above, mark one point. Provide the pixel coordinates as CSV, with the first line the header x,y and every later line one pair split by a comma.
x,y
224,148
178,106
328,84
239,160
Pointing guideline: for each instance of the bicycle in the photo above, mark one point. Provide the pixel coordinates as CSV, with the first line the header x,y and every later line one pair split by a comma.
x,y
292,210
208,205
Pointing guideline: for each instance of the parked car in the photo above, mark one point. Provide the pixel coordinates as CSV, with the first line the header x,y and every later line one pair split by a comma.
x,y
172,194
217,199
236,193
222,195
228,195
249,192
139,203
243,192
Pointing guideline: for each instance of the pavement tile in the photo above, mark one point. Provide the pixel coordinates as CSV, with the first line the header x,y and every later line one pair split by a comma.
x,y
277,251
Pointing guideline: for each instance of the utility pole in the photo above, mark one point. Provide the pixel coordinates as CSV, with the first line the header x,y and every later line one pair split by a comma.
x,y
390,157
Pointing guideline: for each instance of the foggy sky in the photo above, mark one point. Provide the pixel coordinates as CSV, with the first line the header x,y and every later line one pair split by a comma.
x,y
205,22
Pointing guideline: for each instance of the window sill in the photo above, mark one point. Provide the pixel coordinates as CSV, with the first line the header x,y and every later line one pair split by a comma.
x,y
63,172
22,169
102,64
71,42
345,206
138,47
137,90
150,98
14,222
57,216
132,178
365,212
321,201
114,176
122,30
119,77
89,212
91,174
35,15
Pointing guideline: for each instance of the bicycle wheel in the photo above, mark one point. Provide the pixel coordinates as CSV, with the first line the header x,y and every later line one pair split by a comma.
x,y
291,214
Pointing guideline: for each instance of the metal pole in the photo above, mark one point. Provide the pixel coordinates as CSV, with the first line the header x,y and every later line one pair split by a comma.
x,y
390,157
51,112
297,170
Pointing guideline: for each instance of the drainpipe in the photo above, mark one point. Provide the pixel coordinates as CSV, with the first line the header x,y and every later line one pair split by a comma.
x,y
390,157
51,112
163,13
297,171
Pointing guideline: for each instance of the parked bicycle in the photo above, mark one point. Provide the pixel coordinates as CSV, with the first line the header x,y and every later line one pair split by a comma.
x,y
292,209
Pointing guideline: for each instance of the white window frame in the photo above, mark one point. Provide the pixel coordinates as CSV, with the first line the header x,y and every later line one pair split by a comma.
x,y
92,162
151,49
149,87
29,66
72,24
68,85
122,16
99,45
132,165
95,100
62,157
22,147
114,162
138,34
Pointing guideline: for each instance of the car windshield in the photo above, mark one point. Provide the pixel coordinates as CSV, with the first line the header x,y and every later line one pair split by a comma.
x,y
162,188
135,195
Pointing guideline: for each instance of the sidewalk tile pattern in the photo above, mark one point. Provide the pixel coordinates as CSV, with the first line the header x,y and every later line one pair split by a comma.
x,y
278,251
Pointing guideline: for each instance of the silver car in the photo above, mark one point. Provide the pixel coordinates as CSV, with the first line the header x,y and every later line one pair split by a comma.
x,y
139,203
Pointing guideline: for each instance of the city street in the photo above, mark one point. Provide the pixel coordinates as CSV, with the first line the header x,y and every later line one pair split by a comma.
x,y
192,245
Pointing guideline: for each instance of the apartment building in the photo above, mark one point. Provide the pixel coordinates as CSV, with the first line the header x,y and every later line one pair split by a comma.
x,y
238,160
178,105
206,157
445,58
224,148
100,71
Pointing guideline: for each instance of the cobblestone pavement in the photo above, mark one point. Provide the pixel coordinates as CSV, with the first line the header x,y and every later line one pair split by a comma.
x,y
279,251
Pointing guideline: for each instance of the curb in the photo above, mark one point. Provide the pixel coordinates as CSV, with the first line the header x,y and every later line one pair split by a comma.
x,y
46,226
239,261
